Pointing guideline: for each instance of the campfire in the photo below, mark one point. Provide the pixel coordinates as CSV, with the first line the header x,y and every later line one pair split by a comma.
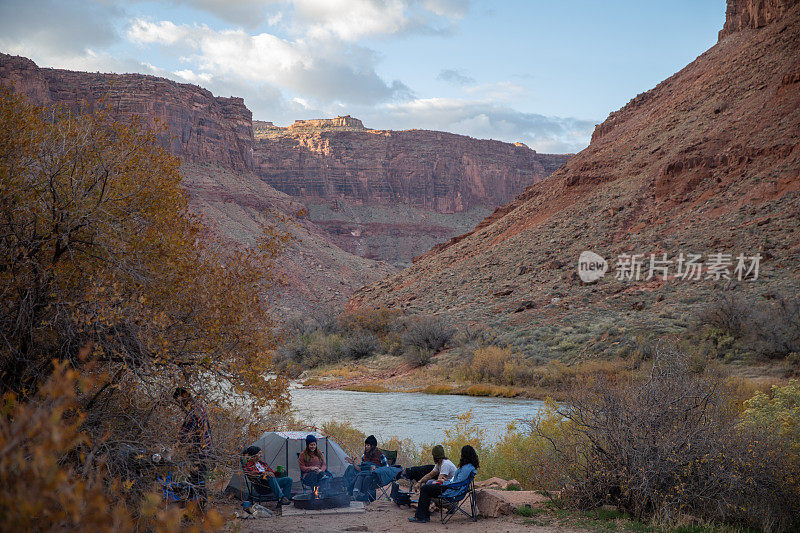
x,y
334,495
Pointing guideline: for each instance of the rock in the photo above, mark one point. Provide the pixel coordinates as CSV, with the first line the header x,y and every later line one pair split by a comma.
x,y
493,503
525,305
498,483
743,14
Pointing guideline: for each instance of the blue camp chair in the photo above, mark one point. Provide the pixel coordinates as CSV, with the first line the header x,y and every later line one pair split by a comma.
x,y
465,490
385,490
175,491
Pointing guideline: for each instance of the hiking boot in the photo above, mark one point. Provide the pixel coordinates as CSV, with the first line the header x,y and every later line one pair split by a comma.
x,y
420,520
284,501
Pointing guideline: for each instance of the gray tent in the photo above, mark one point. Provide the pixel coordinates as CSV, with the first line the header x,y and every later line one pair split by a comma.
x,y
280,448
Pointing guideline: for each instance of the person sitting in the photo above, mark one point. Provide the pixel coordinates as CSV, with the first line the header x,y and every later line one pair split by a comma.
x,y
442,471
467,466
263,477
312,464
358,476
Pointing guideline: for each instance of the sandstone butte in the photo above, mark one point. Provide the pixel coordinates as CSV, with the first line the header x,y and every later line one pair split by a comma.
x,y
370,195
705,162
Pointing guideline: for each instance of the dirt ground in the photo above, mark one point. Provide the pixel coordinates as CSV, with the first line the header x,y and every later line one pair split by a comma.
x,y
380,516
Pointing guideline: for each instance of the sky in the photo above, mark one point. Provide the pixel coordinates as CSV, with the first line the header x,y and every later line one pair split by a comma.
x,y
542,72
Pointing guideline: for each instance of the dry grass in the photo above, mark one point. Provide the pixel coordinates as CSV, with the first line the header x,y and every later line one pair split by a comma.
x,y
436,389
495,391
366,388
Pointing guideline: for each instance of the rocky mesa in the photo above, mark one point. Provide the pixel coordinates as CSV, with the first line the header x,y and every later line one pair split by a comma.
x,y
704,163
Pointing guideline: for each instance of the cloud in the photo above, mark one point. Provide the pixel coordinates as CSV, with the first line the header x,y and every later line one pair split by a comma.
x,y
325,71
456,77
487,120
245,13
309,63
56,28
351,20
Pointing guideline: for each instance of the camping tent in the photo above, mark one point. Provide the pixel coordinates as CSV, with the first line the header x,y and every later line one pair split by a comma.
x,y
280,448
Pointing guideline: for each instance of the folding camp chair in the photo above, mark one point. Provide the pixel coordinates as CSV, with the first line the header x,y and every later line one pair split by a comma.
x,y
385,490
465,490
177,491
249,490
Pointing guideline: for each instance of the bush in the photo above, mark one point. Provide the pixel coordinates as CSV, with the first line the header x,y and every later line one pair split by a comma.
x,y
417,356
728,313
778,413
348,437
362,344
53,477
432,333
379,321
669,443
770,329
775,328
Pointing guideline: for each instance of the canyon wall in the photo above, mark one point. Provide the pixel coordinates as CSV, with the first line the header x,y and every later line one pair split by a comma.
x,y
200,127
443,172
213,137
704,163
392,195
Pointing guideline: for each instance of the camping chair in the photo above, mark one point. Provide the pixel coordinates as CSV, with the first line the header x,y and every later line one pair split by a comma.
x,y
249,490
465,490
303,483
384,491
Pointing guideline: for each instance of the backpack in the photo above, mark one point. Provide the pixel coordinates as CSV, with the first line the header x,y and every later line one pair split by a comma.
x,y
398,496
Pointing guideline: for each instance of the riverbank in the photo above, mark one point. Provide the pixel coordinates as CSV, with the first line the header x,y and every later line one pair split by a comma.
x,y
445,375
386,373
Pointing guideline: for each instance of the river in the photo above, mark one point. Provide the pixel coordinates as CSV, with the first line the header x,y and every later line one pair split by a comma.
x,y
416,416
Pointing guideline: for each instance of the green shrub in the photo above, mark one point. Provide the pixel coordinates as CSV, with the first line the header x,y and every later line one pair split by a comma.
x,y
778,413
528,511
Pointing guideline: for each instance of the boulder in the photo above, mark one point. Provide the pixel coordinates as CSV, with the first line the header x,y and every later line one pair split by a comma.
x,y
493,503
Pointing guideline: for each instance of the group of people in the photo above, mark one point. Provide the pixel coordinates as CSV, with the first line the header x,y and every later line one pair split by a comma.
x,y
431,480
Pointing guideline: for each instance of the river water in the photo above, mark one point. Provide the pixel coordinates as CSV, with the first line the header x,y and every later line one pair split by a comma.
x,y
416,416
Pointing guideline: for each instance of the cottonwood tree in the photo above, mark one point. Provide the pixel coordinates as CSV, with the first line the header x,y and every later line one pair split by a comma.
x,y
104,268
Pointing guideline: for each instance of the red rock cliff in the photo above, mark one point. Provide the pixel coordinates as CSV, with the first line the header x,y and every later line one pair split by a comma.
x,y
743,14
443,172
201,127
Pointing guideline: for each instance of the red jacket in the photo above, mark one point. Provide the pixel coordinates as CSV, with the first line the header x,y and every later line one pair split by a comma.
x,y
251,468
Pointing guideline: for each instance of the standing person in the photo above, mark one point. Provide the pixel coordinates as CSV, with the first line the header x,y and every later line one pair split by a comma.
x,y
357,475
263,477
467,466
312,464
443,469
195,435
